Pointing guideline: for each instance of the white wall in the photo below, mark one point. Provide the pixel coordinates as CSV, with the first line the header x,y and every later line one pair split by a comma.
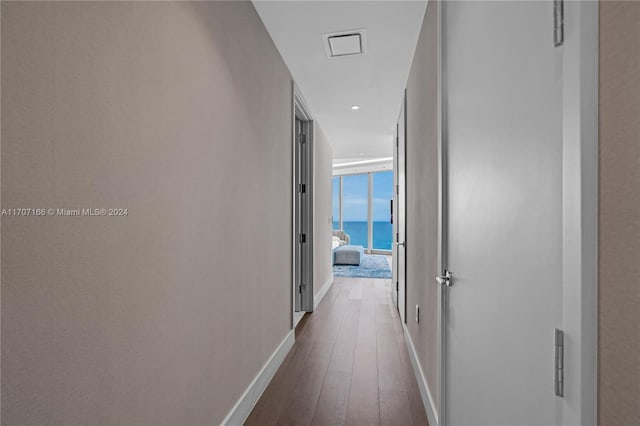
x,y
422,199
180,112
322,206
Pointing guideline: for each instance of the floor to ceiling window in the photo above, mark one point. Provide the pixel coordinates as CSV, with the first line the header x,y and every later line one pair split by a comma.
x,y
336,203
355,208
362,205
381,204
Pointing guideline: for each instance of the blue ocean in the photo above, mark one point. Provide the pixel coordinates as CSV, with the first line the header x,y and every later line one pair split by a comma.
x,y
382,234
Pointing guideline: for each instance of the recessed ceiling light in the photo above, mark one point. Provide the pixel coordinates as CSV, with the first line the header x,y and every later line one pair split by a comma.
x,y
362,153
355,107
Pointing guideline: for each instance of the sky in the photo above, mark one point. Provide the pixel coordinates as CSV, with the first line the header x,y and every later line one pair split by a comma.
x,y
355,192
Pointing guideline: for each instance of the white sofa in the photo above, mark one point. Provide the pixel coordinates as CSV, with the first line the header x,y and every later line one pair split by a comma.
x,y
339,238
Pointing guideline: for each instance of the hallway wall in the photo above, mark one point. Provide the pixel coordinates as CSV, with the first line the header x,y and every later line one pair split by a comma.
x,y
619,221
167,109
422,198
322,205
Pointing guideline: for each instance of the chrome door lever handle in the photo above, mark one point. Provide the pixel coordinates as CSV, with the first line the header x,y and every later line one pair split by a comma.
x,y
403,244
445,279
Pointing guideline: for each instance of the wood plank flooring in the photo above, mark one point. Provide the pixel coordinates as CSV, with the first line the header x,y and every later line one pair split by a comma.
x,y
349,365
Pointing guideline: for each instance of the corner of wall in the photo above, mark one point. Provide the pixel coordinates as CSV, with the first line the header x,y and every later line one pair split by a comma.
x,y
322,204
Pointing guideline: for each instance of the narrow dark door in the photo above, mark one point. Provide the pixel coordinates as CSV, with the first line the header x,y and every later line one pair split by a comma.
x,y
299,255
304,217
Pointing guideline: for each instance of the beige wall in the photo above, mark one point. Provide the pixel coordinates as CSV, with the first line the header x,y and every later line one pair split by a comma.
x,y
180,112
422,198
322,188
619,224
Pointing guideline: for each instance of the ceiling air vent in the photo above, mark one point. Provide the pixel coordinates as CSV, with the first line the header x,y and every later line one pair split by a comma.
x,y
345,43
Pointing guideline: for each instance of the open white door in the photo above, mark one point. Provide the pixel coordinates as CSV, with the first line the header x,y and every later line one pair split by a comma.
x,y
399,246
394,221
503,144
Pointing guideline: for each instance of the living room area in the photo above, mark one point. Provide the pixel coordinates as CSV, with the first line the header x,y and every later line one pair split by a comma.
x,y
362,203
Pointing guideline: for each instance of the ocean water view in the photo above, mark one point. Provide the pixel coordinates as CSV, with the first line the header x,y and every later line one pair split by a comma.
x,y
382,233
358,197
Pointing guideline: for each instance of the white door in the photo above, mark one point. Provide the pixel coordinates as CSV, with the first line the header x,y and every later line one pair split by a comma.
x,y
503,137
400,213
394,221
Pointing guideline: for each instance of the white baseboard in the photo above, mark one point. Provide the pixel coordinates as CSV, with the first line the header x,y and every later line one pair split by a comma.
x,y
394,295
252,394
297,317
323,292
427,399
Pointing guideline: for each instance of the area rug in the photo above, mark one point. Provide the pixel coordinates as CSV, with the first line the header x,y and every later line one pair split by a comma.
x,y
371,266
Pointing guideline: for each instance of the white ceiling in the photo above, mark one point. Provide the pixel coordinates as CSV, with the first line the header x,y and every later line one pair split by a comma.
x,y
374,81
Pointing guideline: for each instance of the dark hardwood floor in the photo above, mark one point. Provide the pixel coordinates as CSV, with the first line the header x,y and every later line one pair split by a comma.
x,y
349,365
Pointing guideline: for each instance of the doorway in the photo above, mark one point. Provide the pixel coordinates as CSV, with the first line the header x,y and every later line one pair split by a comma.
x,y
303,209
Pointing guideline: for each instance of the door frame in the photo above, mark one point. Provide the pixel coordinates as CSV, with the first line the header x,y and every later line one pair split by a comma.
x,y
580,211
301,111
438,413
